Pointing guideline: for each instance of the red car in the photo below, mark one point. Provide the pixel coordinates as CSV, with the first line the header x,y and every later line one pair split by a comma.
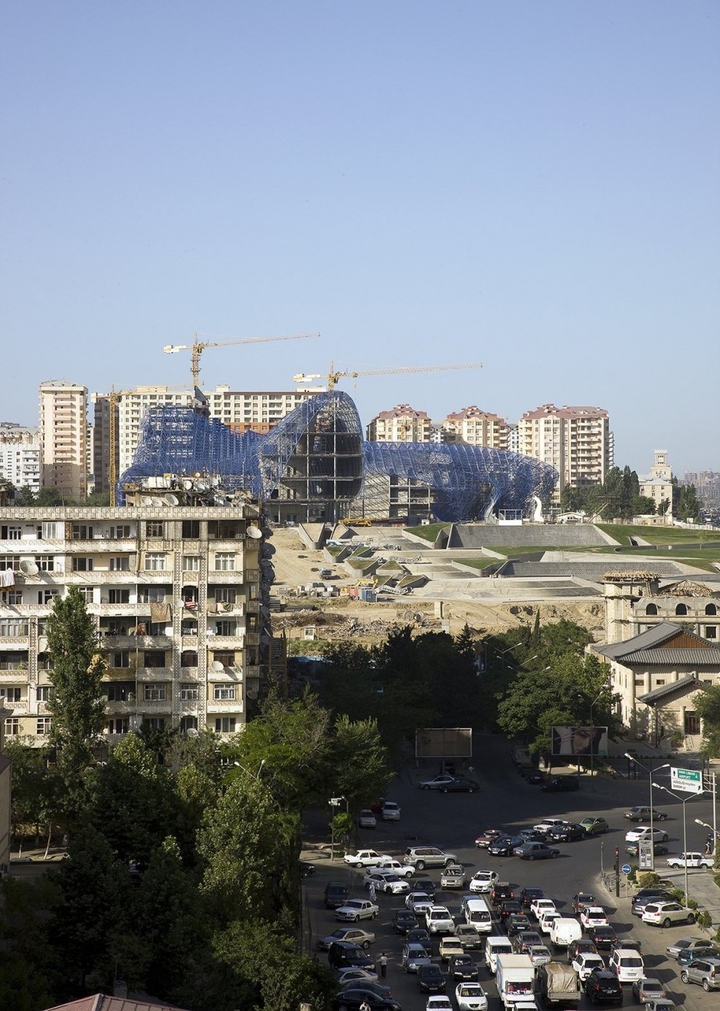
x,y
486,837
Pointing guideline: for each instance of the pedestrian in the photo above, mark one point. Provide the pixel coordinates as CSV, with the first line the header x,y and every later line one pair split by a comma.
x,y
371,890
383,964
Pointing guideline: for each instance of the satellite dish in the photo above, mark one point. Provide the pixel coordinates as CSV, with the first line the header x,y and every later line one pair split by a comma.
x,y
187,484
254,532
216,665
28,567
172,500
192,732
144,500
156,501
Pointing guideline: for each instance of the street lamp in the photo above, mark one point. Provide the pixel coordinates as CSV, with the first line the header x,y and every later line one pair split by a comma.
x,y
683,801
336,802
632,758
257,774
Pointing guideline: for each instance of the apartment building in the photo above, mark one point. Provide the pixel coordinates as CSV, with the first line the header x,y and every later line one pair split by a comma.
x,y
476,428
20,456
242,412
64,438
175,595
402,424
576,441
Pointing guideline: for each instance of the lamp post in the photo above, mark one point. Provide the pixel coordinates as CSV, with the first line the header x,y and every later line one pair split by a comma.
x,y
257,774
632,758
683,801
335,802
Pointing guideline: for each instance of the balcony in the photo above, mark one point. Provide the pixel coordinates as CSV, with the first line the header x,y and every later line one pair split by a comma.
x,y
146,707
154,675
225,706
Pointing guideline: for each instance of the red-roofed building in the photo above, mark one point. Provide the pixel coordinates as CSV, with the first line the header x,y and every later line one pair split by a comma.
x,y
476,428
100,1002
576,441
402,424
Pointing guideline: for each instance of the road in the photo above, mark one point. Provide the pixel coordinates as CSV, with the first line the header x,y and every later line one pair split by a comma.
x,y
452,821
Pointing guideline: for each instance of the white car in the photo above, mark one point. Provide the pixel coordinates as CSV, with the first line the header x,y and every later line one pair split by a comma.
x,y
538,906
365,858
419,902
439,921
438,1002
366,819
594,916
548,823
547,916
386,881
470,997
357,909
638,834
664,914
585,963
391,864
483,881
390,811
690,860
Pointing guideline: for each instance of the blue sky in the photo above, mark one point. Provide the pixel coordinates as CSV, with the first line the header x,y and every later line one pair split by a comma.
x,y
533,185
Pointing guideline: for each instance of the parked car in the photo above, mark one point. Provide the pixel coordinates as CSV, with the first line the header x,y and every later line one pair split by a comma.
x,y
363,938
365,858
470,997
349,975
421,857
366,819
560,784
438,1002
529,894
603,987
628,943
367,985
486,837
539,905
704,971
431,978
439,921
567,833
336,894
461,784
627,964
350,999
642,813
546,920
594,826
390,811
525,939
391,864
708,950
504,846
546,824
462,968
452,876
517,922
419,935
437,782
482,881
647,895
419,902
357,909
690,860
647,989
426,885
509,907
664,914
413,956
389,882
531,835
645,834
659,849
449,945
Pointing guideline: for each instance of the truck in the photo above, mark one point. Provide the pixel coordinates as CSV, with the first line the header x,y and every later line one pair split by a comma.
x,y
521,754
515,979
559,984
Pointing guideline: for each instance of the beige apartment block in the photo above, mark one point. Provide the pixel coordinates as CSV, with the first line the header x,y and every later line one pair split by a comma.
x,y
576,441
657,485
174,593
64,438
476,428
241,411
20,456
402,424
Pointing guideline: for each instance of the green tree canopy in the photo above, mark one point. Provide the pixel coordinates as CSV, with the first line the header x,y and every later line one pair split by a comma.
x,y
707,705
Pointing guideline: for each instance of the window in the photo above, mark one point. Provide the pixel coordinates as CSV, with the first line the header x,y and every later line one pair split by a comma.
x,y
14,629
80,564
120,691
46,596
12,727
154,658
225,725
651,609
42,726
11,694
121,658
46,563
155,528
188,723
224,561
43,693
225,594
711,631
224,693
11,597
118,726
121,564
188,693
188,658
681,609
81,532
225,657
155,722
710,609
53,532
155,594
191,563
11,533
225,627
188,628
155,561
191,529
154,693
692,723
118,596
88,593
117,533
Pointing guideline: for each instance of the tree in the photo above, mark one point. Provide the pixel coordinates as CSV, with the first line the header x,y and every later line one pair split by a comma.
x,y
707,705
686,505
359,760
75,704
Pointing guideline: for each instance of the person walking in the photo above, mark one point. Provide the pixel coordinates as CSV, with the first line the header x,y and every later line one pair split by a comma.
x,y
371,890
382,961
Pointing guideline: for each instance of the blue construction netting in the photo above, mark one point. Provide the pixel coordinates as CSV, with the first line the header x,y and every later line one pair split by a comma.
x,y
468,482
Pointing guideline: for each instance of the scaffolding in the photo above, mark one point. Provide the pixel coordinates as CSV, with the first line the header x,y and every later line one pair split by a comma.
x,y
315,466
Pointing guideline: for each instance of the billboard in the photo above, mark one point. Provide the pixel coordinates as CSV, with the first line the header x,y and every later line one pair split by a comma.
x,y
574,741
443,742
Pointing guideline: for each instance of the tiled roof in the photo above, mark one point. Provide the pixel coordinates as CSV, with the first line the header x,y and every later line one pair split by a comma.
x,y
657,694
643,648
674,657
100,1002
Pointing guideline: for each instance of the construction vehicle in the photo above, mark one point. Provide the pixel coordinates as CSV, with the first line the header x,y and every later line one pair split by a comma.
x,y
334,376
197,347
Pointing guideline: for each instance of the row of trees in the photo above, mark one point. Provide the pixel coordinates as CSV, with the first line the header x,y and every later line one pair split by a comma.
x,y
619,498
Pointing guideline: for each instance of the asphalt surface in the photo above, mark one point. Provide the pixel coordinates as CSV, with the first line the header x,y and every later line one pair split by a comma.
x,y
452,821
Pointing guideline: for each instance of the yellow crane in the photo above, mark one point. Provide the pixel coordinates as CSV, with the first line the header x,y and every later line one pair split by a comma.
x,y
197,347
333,376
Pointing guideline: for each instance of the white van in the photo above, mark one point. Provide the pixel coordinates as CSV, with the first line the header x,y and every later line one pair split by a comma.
x,y
477,912
564,930
627,965
495,946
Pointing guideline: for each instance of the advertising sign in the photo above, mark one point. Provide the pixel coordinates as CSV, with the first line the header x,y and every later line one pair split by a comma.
x,y
443,742
572,741
646,855
687,780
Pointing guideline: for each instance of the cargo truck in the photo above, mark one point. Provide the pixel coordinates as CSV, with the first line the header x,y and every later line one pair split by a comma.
x,y
515,979
559,984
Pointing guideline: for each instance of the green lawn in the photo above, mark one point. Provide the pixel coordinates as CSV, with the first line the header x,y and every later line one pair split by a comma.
x,y
659,535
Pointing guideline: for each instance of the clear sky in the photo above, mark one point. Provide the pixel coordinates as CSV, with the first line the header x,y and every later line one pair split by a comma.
x,y
532,184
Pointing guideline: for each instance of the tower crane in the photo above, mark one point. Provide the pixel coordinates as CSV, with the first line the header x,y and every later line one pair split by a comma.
x,y
332,376
197,347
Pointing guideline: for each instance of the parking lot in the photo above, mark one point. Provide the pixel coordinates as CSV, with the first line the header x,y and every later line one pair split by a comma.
x,y
452,822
